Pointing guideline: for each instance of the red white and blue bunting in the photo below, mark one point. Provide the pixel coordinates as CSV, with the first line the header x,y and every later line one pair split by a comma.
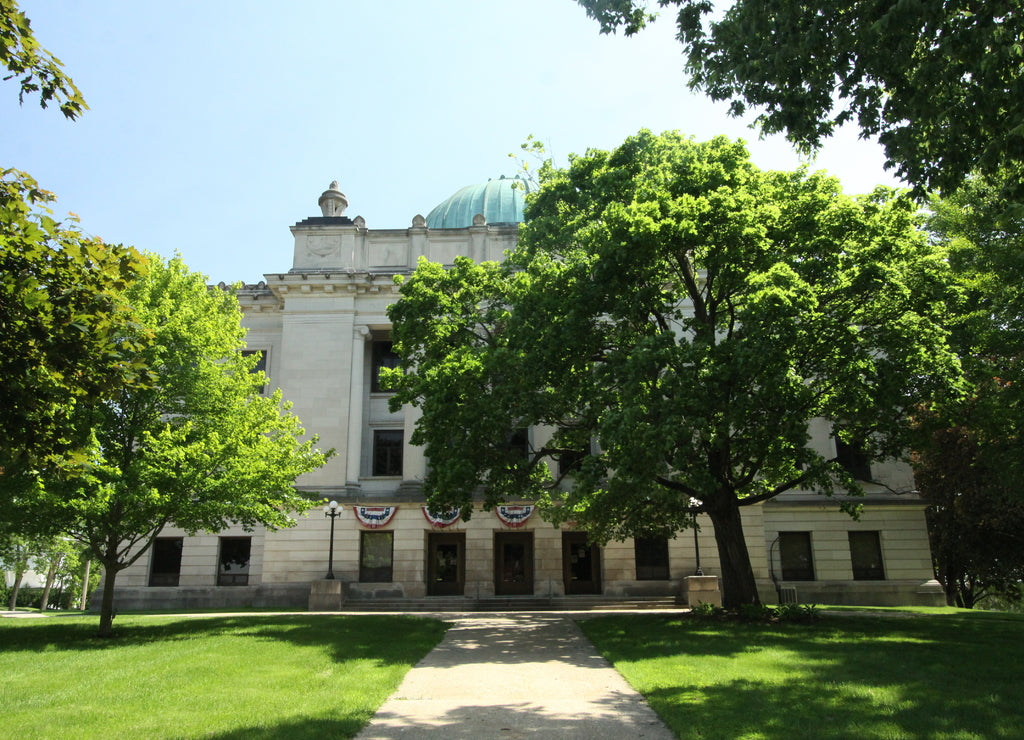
x,y
446,519
513,516
375,517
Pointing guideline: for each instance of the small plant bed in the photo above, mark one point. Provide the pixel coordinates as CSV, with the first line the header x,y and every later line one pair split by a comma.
x,y
804,613
954,674
252,677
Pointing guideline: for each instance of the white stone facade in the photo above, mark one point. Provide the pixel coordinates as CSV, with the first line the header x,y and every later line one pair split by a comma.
x,y
320,325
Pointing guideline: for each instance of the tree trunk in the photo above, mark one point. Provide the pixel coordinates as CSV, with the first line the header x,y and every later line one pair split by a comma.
x,y
107,605
85,583
738,584
51,575
944,573
968,593
18,575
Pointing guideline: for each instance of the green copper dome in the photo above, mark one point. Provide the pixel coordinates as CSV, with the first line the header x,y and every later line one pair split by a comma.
x,y
497,200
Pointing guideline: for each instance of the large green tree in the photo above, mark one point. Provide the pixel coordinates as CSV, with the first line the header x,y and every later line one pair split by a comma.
x,y
975,514
59,305
970,458
679,318
199,447
986,246
62,331
940,83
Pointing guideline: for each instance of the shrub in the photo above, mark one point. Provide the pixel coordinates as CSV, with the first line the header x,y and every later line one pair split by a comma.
x,y
797,612
707,611
32,598
788,612
756,612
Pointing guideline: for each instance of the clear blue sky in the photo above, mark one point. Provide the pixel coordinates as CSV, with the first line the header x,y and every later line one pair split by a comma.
x,y
214,126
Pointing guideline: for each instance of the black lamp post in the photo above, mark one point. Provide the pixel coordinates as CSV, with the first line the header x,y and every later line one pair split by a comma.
x,y
333,512
696,542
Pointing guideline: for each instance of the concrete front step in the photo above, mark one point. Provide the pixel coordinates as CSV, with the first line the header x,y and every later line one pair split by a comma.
x,y
511,603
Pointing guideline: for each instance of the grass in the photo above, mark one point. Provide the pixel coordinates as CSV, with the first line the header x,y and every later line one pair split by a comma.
x,y
944,675
252,677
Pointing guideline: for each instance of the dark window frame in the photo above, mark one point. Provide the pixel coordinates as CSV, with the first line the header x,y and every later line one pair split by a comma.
x,y
651,558
388,453
853,460
382,355
866,558
261,365
165,551
796,556
570,461
376,573
517,445
231,547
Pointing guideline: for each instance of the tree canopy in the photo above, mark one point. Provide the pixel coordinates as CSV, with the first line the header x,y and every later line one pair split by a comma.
x,y
35,69
986,246
199,447
676,318
939,83
975,513
970,459
63,337
59,295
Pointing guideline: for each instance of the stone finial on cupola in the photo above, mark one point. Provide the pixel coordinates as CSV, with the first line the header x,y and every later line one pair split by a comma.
x,y
333,202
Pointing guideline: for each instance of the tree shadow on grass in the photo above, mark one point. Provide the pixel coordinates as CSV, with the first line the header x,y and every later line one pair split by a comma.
x,y
952,676
384,638
819,709
357,645
306,728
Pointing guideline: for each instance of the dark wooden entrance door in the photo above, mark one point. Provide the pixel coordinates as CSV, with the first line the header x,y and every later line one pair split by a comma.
x,y
446,563
581,564
513,563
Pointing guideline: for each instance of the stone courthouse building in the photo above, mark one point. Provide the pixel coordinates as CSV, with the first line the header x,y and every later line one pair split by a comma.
x,y
323,333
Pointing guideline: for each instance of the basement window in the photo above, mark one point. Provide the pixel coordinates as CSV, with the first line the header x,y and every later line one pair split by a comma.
x,y
233,568
165,564
795,552
866,556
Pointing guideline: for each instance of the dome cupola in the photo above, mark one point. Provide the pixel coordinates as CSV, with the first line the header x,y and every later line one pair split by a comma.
x,y
499,201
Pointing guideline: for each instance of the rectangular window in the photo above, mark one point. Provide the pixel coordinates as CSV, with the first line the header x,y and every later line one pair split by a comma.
x,y
375,556
261,362
853,460
570,462
518,445
233,568
795,552
387,452
651,558
165,565
866,556
384,356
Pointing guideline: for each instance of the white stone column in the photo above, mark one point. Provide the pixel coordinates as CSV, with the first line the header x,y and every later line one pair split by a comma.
x,y
356,403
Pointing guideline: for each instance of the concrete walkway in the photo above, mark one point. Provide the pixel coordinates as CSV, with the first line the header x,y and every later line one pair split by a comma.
x,y
23,615
514,675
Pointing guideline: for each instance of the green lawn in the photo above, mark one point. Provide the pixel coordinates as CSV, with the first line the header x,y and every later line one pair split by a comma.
x,y
948,675
294,676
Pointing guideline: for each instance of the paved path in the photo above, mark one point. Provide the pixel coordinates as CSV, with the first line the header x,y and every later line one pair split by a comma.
x,y
512,676
23,615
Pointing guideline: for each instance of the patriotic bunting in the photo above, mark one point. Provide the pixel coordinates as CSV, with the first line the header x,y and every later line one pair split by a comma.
x,y
513,516
446,519
375,517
